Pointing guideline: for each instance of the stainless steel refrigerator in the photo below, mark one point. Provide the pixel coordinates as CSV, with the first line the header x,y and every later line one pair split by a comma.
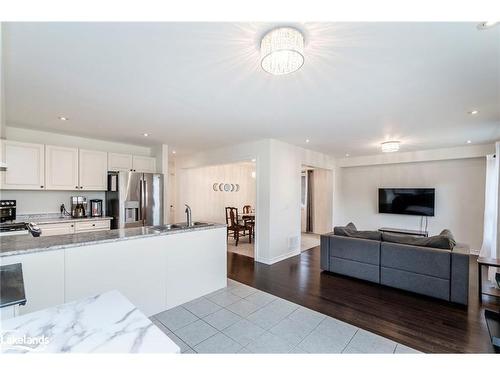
x,y
134,199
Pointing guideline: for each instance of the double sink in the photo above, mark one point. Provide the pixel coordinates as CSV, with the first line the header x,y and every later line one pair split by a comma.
x,y
169,227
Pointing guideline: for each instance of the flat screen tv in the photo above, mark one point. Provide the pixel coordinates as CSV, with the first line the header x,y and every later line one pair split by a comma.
x,y
404,201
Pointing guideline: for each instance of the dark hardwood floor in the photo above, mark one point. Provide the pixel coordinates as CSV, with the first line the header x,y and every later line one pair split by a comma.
x,y
423,323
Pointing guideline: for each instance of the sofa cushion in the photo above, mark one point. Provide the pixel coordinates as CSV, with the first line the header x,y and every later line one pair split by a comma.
x,y
421,260
368,235
417,283
350,231
438,242
341,231
364,271
360,250
447,233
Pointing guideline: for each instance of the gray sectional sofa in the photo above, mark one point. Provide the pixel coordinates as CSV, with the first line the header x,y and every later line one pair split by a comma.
x,y
384,259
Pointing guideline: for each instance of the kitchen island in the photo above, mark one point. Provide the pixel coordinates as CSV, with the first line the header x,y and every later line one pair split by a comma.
x,y
156,268
104,323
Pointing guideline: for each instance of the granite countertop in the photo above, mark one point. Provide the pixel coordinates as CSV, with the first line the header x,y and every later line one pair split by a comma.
x,y
52,219
12,285
24,244
104,323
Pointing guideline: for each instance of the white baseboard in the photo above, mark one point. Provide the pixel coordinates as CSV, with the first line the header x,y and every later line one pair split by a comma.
x,y
279,258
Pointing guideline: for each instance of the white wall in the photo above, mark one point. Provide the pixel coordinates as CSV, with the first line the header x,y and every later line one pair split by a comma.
x,y
459,185
207,204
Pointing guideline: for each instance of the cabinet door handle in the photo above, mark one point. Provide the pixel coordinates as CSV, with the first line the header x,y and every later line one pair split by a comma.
x,y
72,225
76,187
81,187
41,186
93,225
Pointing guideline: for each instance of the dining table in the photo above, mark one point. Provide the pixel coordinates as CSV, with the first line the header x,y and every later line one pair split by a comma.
x,y
249,215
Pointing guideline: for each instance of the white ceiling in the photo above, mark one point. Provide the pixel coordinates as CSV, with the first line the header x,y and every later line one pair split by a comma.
x,y
199,85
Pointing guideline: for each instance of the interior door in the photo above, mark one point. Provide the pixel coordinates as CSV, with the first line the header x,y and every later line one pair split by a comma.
x,y
152,202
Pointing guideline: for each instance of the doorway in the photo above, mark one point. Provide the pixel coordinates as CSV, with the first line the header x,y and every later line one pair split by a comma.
x,y
316,205
213,192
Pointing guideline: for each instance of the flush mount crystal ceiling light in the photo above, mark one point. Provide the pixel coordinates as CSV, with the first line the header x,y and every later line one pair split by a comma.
x,y
282,51
390,146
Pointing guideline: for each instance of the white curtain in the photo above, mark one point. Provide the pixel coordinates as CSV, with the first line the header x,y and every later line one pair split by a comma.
x,y
491,240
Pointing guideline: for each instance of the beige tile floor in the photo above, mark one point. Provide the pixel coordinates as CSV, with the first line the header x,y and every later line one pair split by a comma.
x,y
242,319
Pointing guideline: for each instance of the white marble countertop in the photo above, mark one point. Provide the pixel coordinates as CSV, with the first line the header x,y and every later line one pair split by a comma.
x,y
104,323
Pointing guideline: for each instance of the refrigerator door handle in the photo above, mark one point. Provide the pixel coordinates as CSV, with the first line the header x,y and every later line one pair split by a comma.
x,y
141,203
144,201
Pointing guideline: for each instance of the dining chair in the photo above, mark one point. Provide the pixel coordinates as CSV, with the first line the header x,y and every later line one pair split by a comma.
x,y
236,227
249,221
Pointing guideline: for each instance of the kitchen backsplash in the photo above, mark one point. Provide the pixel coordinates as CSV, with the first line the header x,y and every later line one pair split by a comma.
x,y
46,202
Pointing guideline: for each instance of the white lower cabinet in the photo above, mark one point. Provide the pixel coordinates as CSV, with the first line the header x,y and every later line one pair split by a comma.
x,y
154,273
43,275
91,226
55,229
197,266
136,268
74,227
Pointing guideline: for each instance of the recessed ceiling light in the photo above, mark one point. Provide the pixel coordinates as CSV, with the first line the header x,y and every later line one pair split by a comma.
x,y
469,141
347,155
146,134
487,25
282,51
254,160
307,140
174,152
390,146
473,112
62,118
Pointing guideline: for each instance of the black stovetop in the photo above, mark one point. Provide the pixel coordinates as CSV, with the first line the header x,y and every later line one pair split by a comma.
x,y
12,285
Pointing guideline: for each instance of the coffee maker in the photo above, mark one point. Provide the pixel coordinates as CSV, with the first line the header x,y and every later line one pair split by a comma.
x,y
78,206
95,207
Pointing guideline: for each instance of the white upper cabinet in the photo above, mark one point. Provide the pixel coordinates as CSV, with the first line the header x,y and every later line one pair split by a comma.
x,y
93,170
33,166
25,166
144,164
61,168
119,162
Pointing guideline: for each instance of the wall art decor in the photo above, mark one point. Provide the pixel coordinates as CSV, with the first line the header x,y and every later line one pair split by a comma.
x,y
225,187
